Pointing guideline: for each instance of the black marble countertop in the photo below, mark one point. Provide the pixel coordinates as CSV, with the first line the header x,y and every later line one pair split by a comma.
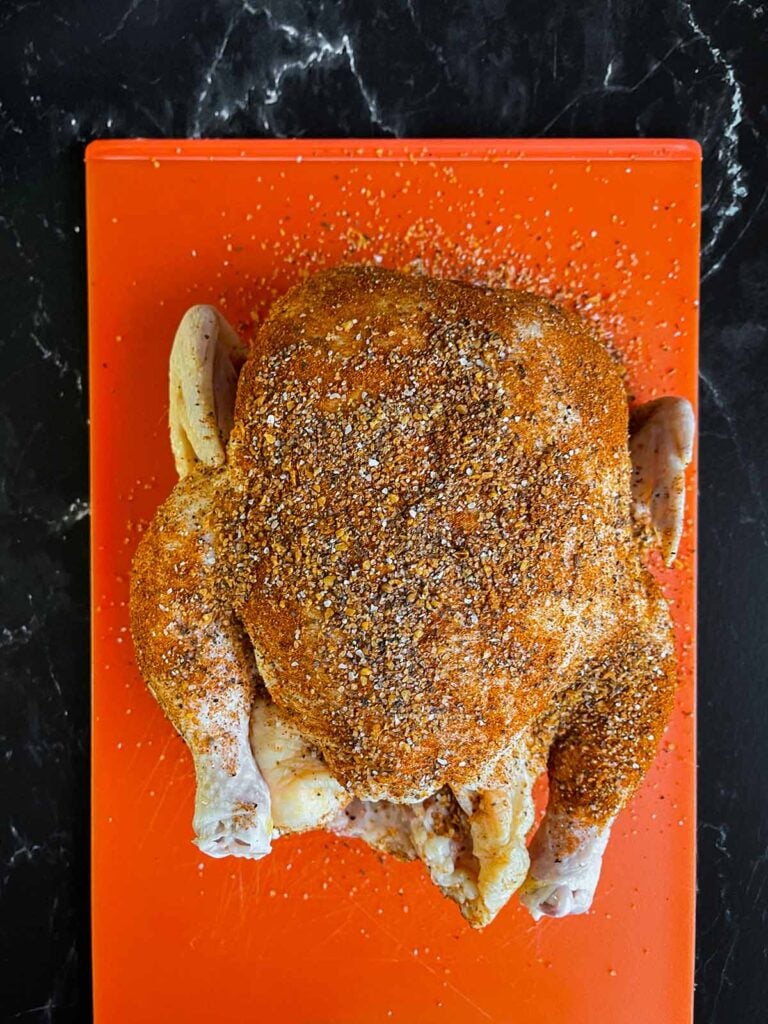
x,y
72,71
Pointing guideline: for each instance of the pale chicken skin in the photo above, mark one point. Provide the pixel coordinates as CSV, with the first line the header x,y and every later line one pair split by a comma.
x,y
404,576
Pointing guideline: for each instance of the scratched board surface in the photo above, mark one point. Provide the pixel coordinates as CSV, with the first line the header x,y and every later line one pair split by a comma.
x,y
324,931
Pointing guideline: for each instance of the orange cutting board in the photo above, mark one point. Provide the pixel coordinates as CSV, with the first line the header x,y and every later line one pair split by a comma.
x,y
324,931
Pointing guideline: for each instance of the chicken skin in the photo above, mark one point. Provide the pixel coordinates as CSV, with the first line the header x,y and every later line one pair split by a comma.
x,y
402,575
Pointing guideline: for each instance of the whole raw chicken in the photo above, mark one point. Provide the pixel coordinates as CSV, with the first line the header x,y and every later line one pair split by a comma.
x,y
402,575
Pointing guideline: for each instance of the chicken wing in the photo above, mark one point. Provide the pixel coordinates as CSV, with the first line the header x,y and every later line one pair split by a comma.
x,y
661,446
205,361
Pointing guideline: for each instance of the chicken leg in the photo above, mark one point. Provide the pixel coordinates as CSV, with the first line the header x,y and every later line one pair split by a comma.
x,y
598,759
200,668
192,651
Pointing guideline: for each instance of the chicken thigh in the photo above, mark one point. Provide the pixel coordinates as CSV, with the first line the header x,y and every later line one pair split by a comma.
x,y
404,575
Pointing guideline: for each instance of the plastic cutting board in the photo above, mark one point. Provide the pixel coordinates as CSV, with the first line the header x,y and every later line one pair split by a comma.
x,y
325,931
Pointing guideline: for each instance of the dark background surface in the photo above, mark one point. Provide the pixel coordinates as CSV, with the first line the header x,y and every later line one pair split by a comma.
x,y
74,71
